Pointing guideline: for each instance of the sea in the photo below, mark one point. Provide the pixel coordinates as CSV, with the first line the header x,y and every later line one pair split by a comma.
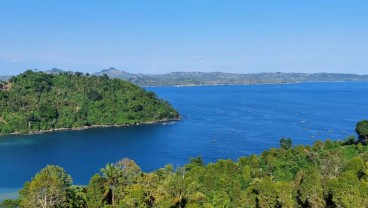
x,y
218,122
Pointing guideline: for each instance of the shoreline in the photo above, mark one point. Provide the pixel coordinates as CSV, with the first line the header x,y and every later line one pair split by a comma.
x,y
246,84
90,127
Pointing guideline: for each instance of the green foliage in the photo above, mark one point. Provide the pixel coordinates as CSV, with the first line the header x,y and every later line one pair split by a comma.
x,y
309,188
348,191
48,188
111,173
95,191
273,194
94,95
285,143
349,140
356,164
362,129
36,101
77,197
331,174
194,162
129,171
9,203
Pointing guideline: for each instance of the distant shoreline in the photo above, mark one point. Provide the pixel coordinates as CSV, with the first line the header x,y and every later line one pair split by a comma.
x,y
196,78
90,127
248,84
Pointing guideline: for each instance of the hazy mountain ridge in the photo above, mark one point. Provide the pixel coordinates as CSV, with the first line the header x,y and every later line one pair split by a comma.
x,y
222,78
56,71
115,73
4,77
219,78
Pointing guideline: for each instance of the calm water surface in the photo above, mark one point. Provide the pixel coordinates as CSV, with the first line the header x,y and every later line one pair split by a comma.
x,y
218,122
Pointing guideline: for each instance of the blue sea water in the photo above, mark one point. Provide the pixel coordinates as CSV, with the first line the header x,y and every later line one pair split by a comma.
x,y
218,122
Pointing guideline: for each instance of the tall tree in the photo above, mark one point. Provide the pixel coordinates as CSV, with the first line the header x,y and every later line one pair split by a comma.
x,y
95,191
362,130
47,189
285,143
309,188
347,191
111,173
129,170
175,187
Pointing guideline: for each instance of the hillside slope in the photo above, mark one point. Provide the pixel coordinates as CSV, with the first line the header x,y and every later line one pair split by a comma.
x,y
36,101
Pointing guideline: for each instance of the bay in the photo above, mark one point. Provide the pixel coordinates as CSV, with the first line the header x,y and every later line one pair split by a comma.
x,y
219,122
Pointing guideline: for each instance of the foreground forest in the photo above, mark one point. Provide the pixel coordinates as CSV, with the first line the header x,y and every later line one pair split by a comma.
x,y
37,101
326,174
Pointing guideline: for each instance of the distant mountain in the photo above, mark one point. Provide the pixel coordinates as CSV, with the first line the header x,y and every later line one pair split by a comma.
x,y
221,78
115,73
56,71
4,77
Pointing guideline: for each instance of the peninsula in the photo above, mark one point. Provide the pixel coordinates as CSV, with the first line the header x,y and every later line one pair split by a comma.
x,y
34,102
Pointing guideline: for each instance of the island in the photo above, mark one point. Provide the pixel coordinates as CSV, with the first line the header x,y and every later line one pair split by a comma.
x,y
36,102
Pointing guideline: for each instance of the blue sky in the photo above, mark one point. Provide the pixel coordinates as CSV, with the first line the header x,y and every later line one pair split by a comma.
x,y
158,36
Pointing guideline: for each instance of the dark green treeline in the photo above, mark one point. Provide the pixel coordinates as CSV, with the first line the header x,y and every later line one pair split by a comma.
x,y
326,174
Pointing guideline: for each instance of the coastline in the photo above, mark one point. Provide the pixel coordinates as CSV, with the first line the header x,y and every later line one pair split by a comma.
x,y
90,127
246,84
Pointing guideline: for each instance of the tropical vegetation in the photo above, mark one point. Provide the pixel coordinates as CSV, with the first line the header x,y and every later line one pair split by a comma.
x,y
37,101
326,174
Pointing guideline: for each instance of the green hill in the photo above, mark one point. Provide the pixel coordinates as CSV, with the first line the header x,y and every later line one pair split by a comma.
x,y
36,101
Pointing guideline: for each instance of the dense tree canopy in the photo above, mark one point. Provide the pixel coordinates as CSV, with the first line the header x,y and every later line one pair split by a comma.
x,y
328,174
362,130
48,188
285,143
36,101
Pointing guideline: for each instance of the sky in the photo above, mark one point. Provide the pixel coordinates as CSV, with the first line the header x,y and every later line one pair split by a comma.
x,y
159,36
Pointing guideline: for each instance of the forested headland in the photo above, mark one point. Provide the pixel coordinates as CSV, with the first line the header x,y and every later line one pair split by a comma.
x,y
36,101
325,174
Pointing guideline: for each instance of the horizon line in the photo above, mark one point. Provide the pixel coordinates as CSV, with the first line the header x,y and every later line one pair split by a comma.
x,y
205,72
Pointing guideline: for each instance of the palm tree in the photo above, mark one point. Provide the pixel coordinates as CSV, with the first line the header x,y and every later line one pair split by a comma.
x,y
111,172
176,187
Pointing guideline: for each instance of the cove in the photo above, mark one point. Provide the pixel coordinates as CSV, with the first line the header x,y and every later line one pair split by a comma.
x,y
219,122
